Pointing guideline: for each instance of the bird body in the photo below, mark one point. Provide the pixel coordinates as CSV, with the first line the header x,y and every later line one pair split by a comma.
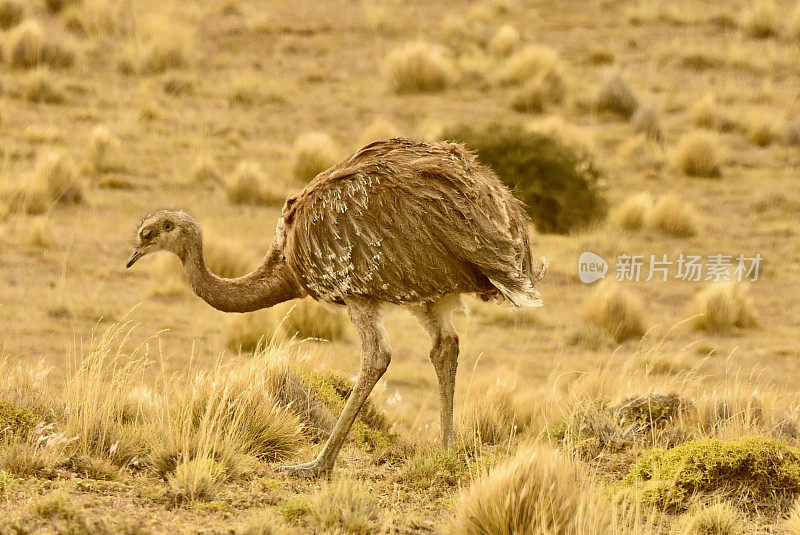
x,y
408,222
403,222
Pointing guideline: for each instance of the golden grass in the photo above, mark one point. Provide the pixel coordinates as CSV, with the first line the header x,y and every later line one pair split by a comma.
x,y
632,213
40,87
419,67
378,129
28,47
646,121
761,19
504,41
721,306
492,419
56,174
11,13
792,523
706,113
792,30
696,155
39,233
719,518
306,318
247,333
762,130
615,96
205,171
247,185
672,216
537,491
104,150
615,311
791,133
313,153
527,63
347,505
537,94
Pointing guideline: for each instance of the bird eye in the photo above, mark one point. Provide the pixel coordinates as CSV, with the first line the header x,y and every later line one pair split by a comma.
x,y
168,225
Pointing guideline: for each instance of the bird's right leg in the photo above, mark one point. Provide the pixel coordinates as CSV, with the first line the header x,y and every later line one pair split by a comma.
x,y
375,357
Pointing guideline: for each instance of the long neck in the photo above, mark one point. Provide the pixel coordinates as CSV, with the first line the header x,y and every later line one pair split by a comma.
x,y
267,285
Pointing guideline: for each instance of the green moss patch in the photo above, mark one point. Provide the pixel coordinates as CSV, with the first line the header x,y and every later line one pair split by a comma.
x,y
16,420
319,399
762,474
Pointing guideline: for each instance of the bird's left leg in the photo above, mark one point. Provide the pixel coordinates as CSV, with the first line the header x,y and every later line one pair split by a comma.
x,y
375,357
437,318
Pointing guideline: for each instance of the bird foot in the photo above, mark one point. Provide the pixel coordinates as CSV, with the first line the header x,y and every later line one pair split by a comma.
x,y
310,470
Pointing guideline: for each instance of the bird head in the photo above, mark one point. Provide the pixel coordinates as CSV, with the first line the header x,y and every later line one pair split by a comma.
x,y
162,230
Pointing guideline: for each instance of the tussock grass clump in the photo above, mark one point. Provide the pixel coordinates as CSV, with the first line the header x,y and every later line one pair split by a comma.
x,y
705,113
598,430
615,96
313,153
632,213
205,171
308,319
55,6
104,150
163,52
529,63
347,505
535,492
217,422
56,173
39,87
504,41
762,130
38,233
559,185
473,28
248,186
723,306
761,474
646,121
696,155
27,47
197,478
433,469
545,89
419,67
250,332
11,13
761,19
56,505
491,420
615,311
672,216
226,258
719,518
791,133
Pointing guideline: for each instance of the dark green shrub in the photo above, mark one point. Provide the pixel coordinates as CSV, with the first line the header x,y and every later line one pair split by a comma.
x,y
559,187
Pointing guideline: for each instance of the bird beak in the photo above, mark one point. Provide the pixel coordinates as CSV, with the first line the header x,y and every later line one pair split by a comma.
x,y
137,254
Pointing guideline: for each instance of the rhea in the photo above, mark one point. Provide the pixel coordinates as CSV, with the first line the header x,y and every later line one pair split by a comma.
x,y
399,222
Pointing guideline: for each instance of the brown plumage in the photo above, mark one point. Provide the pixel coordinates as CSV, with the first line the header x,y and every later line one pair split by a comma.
x,y
400,221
